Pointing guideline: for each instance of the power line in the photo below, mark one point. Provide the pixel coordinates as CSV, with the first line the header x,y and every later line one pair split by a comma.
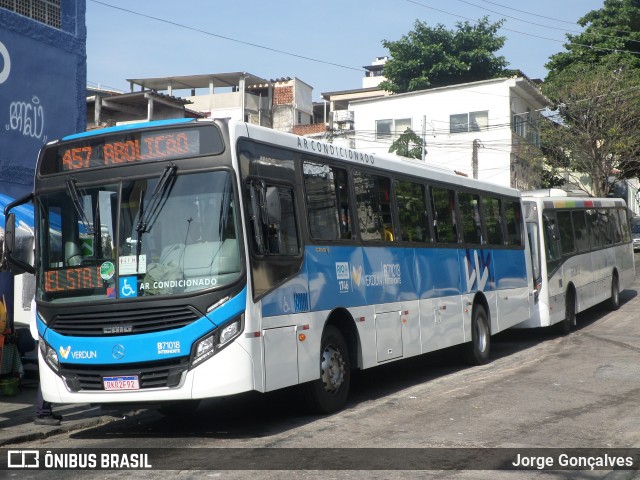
x,y
541,16
591,47
211,34
548,26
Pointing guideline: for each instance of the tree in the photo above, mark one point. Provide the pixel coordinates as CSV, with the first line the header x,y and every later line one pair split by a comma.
x,y
611,30
408,144
596,129
435,57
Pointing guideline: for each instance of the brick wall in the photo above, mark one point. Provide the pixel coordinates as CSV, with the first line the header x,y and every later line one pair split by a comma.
x,y
283,95
308,129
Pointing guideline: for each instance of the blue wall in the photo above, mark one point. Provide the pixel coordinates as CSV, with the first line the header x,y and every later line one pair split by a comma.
x,y
43,74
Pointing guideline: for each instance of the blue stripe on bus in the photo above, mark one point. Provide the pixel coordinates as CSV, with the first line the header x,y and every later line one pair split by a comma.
x,y
129,126
143,347
357,276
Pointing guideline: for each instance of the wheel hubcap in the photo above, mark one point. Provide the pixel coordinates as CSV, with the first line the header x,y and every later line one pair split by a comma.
x,y
482,336
332,369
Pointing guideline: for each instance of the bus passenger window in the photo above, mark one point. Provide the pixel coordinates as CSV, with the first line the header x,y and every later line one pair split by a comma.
x,y
373,204
624,225
470,212
580,228
443,215
595,233
412,211
282,235
616,233
492,220
327,201
513,216
274,228
567,240
606,230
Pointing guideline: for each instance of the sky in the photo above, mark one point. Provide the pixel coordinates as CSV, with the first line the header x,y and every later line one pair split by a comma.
x,y
325,44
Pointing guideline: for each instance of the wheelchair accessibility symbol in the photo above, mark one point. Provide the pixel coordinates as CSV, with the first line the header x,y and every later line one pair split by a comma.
x,y
128,287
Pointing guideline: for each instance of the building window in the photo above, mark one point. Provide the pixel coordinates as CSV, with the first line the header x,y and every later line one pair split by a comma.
x,y
526,126
469,122
389,129
43,11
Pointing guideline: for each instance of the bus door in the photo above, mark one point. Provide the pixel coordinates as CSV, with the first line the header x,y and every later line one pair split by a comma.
x,y
533,247
553,254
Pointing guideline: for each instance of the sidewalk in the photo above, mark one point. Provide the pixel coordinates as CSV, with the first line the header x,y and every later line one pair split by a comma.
x,y
17,413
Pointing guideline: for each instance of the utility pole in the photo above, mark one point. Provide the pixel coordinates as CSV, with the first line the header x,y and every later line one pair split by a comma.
x,y
474,157
424,138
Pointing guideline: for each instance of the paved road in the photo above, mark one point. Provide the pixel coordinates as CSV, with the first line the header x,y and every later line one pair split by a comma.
x,y
540,390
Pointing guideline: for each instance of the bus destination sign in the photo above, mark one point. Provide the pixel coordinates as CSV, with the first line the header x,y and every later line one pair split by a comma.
x,y
82,278
103,152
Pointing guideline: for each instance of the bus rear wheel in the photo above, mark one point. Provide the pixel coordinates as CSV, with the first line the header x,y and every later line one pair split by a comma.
x,y
477,351
329,393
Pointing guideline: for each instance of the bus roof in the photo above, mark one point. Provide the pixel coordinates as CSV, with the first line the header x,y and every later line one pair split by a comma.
x,y
128,126
574,202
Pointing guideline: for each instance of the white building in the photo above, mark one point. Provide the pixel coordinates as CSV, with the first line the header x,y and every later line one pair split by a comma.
x,y
481,129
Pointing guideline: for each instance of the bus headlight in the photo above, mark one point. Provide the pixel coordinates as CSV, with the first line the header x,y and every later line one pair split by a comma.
x,y
215,341
50,355
229,332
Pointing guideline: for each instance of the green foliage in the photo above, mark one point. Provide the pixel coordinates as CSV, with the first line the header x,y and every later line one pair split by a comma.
x,y
596,130
434,57
408,144
613,30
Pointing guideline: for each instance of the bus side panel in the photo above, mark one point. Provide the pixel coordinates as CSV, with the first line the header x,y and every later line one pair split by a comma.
x,y
603,263
556,296
512,285
440,283
578,270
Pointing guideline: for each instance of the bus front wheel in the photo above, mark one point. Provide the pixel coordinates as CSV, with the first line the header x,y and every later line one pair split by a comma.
x,y
570,318
329,393
477,351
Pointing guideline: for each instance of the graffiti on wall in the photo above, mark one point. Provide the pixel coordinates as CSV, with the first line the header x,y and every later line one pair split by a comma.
x,y
25,117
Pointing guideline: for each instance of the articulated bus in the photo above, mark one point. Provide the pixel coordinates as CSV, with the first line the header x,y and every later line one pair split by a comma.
x,y
186,259
582,254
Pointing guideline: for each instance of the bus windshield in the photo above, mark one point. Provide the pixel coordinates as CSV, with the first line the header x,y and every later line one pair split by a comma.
x,y
166,235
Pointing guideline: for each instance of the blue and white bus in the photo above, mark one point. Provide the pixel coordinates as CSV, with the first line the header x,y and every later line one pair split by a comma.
x,y
582,255
186,259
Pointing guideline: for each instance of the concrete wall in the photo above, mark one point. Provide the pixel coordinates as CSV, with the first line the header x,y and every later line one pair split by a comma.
x,y
42,89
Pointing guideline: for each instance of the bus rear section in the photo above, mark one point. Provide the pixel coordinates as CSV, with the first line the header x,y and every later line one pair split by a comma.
x,y
582,251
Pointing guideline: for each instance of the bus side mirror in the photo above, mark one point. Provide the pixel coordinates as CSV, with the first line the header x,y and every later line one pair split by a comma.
x,y
9,237
18,247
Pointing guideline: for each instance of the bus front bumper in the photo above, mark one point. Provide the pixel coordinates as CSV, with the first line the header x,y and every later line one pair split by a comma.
x,y
227,373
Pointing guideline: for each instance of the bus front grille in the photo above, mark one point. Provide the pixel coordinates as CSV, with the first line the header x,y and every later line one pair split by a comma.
x,y
123,322
162,374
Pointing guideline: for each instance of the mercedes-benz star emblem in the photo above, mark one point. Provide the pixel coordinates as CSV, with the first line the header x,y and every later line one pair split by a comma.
x,y
117,351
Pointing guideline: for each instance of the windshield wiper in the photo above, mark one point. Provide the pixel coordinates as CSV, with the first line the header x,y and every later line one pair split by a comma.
x,y
148,216
72,188
164,186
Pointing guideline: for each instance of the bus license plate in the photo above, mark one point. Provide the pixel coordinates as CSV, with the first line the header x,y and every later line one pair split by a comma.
x,y
129,382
